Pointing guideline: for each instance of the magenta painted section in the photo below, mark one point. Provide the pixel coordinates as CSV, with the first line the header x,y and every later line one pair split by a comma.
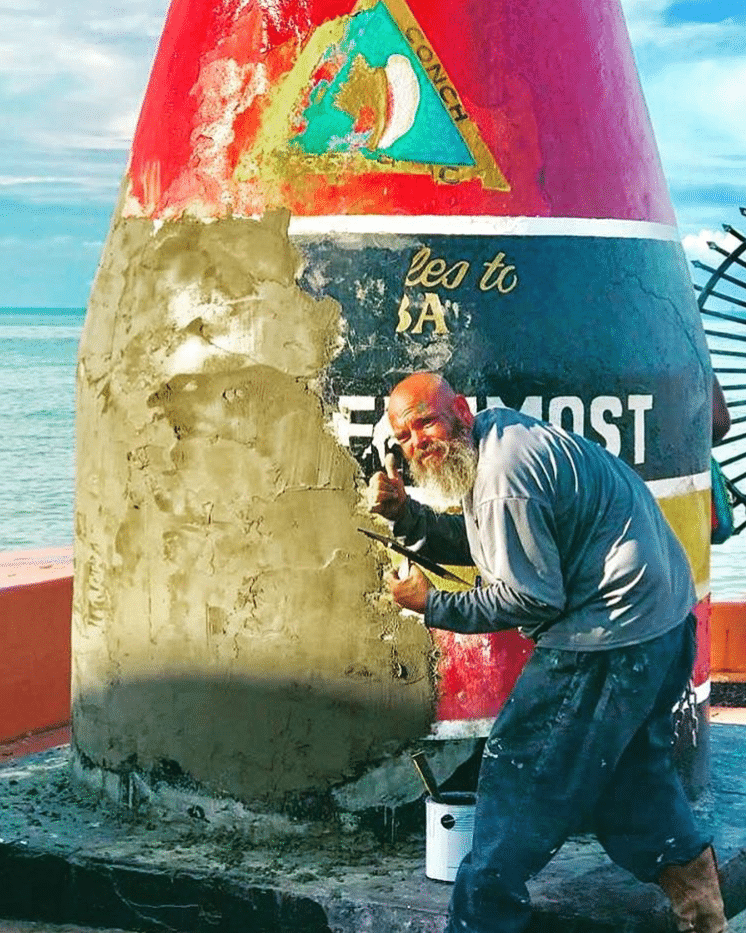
x,y
574,63
551,88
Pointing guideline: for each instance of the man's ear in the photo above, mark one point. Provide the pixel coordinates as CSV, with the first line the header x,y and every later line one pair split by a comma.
x,y
461,408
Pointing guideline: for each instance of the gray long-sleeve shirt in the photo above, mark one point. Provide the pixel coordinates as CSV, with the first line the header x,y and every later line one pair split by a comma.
x,y
571,545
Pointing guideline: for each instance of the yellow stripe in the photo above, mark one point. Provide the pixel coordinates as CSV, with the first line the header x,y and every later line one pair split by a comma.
x,y
689,516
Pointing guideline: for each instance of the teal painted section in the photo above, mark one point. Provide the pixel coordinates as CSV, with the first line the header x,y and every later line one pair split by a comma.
x,y
601,334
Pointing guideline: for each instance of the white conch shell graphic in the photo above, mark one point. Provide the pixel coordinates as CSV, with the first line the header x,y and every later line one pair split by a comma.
x,y
403,100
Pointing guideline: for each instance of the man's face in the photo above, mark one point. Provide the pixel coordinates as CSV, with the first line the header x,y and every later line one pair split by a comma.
x,y
420,427
438,445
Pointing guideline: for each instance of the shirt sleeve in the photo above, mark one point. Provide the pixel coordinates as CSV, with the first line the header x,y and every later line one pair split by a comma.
x,y
522,566
444,533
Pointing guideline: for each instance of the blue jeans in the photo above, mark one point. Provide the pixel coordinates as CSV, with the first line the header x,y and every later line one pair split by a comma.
x,y
584,740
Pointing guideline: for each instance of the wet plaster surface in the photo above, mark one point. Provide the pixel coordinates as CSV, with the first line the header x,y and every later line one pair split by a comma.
x,y
221,585
67,858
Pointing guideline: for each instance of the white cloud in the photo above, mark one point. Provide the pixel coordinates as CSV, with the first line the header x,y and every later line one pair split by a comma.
x,y
696,245
72,77
82,97
53,243
700,106
10,181
694,80
651,36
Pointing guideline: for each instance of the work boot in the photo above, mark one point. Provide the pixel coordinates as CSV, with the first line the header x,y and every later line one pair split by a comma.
x,y
694,892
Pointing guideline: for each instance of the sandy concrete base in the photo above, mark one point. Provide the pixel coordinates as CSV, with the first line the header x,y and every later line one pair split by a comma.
x,y
725,714
68,859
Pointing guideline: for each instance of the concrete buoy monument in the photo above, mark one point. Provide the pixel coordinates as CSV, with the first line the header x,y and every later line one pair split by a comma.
x,y
323,196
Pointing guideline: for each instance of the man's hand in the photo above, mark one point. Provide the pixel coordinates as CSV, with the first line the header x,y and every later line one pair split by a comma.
x,y
386,494
410,592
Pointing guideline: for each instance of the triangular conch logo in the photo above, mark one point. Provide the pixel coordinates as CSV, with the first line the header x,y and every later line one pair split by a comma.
x,y
369,94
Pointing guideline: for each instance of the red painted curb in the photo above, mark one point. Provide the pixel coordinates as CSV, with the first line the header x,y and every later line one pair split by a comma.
x,y
36,609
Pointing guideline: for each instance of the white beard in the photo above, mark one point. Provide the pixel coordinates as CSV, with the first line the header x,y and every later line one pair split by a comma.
x,y
451,477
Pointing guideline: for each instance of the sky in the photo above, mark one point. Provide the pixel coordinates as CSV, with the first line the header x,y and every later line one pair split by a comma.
x,y
72,77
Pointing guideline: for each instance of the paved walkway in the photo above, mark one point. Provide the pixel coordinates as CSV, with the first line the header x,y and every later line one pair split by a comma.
x,y
727,714
69,858
20,926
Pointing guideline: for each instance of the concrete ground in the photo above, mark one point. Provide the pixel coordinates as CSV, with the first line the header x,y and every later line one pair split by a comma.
x,y
725,714
737,925
67,859
21,926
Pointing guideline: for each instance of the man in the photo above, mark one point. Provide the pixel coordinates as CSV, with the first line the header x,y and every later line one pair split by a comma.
x,y
573,550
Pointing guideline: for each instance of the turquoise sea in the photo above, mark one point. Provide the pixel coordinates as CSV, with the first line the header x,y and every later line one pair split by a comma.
x,y
38,348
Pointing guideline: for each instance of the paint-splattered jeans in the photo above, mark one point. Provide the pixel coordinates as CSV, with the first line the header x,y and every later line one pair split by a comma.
x,y
585,739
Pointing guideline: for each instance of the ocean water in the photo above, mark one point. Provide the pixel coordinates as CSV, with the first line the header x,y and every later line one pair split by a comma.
x,y
38,352
728,567
38,349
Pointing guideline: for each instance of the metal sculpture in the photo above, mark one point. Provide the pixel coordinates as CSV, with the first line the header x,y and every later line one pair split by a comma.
x,y
719,301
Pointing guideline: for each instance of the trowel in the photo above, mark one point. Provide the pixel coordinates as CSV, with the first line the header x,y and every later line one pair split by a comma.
x,y
428,778
414,557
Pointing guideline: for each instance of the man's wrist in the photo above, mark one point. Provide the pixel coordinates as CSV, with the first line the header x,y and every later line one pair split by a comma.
x,y
401,511
433,598
403,519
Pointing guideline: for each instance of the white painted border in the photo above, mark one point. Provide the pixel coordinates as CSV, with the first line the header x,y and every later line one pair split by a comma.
x,y
461,728
702,692
679,485
481,226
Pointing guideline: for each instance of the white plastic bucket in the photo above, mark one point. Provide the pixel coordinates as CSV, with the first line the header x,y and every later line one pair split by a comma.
x,y
449,827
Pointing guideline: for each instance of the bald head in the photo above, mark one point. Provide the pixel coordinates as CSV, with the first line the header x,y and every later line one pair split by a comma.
x,y
421,389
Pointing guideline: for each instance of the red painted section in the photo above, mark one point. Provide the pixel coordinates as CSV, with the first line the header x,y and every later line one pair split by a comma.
x,y
35,742
35,608
465,691
552,89
702,662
